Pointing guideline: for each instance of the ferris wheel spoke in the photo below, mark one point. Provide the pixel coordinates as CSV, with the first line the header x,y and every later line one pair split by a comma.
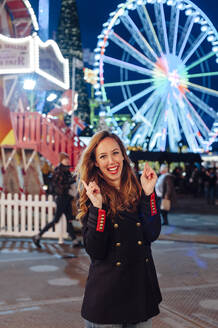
x,y
160,126
173,29
173,126
193,128
136,135
191,140
155,113
200,123
148,128
202,74
201,60
185,35
163,127
127,94
172,140
146,106
150,118
132,99
122,83
138,37
159,28
149,29
202,89
126,65
196,44
201,104
131,50
141,134
163,138
166,43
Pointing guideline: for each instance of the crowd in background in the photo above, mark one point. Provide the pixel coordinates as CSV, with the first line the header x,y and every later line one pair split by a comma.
x,y
198,181
192,179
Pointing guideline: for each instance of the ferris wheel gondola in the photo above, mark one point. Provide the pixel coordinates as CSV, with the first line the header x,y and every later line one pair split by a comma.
x,y
157,61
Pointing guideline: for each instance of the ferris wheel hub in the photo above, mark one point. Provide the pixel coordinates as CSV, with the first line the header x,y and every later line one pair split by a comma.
x,y
169,70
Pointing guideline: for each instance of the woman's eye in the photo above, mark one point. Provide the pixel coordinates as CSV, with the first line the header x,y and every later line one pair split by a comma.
x,y
116,152
102,156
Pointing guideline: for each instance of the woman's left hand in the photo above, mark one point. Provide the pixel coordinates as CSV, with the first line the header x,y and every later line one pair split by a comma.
x,y
148,179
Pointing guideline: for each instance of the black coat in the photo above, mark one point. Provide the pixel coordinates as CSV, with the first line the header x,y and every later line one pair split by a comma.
x,y
61,180
122,284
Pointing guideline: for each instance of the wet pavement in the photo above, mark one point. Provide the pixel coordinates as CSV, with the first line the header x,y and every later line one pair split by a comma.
x,y
44,288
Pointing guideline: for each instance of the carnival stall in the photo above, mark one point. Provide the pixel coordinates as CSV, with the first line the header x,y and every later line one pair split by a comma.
x,y
28,66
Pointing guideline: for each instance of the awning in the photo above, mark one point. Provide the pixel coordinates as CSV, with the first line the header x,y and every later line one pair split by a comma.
x,y
22,17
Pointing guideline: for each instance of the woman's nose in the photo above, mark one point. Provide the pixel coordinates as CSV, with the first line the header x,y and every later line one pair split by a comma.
x,y
110,159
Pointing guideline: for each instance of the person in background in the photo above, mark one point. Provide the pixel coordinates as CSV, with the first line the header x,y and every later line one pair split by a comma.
x,y
61,184
165,190
120,220
211,178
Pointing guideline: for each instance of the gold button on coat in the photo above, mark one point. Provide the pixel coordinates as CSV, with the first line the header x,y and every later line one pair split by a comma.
x,y
146,260
116,225
139,242
118,244
118,264
138,224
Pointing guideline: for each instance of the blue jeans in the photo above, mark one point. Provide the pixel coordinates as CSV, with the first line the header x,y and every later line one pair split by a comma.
x,y
145,324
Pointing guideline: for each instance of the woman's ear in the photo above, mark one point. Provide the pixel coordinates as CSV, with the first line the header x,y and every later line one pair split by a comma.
x,y
96,164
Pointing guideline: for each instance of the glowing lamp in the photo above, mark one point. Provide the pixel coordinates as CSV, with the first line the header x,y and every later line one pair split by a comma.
x,y
29,84
51,97
64,101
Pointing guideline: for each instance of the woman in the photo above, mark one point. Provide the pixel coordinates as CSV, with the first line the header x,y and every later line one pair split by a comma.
x,y
120,220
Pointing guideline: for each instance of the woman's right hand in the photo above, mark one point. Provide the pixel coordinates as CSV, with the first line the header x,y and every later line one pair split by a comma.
x,y
94,193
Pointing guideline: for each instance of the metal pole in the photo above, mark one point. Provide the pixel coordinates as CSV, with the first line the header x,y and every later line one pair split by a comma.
x,y
73,93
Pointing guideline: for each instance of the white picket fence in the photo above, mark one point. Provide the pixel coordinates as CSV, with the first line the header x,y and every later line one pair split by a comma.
x,y
24,216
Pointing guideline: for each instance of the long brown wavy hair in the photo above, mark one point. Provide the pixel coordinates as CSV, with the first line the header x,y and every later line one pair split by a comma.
x,y
115,200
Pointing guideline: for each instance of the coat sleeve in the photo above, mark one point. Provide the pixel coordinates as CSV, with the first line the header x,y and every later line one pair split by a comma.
x,y
96,233
150,214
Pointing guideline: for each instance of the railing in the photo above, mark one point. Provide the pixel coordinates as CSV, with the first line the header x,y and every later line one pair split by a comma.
x,y
34,131
24,216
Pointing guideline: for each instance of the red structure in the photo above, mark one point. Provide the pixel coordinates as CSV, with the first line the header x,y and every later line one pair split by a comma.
x,y
36,132
35,140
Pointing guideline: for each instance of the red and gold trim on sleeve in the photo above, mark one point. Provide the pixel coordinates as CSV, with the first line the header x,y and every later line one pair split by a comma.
x,y
153,204
101,220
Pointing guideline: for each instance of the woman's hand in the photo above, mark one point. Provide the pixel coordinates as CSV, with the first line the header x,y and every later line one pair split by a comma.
x,y
148,179
94,193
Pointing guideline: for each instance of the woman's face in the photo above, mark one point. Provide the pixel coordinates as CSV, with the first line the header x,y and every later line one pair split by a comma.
x,y
109,160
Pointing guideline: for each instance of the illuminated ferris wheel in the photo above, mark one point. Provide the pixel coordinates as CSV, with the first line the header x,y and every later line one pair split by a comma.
x,y
157,61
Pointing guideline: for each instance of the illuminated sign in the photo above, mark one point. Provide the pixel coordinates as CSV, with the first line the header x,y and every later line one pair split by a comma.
x,y
15,56
31,55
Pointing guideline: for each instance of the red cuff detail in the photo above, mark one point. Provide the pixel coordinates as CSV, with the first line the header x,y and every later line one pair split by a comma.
x,y
101,220
153,204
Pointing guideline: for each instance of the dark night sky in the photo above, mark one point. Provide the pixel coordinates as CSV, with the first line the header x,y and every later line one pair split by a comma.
x,y
93,13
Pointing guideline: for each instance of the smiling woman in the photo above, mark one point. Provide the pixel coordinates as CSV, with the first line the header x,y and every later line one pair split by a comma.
x,y
120,220
109,160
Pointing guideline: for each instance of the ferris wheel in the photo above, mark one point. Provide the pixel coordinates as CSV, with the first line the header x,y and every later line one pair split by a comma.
x,y
157,60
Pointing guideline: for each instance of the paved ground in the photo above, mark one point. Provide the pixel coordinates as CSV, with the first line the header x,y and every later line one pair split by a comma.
x,y
44,289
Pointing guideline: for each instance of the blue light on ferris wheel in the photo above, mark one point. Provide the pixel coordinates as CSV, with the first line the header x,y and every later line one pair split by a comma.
x,y
43,19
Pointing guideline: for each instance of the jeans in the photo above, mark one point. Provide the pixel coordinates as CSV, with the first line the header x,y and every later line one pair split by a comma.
x,y
145,324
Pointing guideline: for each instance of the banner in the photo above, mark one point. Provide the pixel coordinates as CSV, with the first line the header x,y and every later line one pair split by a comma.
x,y
14,57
